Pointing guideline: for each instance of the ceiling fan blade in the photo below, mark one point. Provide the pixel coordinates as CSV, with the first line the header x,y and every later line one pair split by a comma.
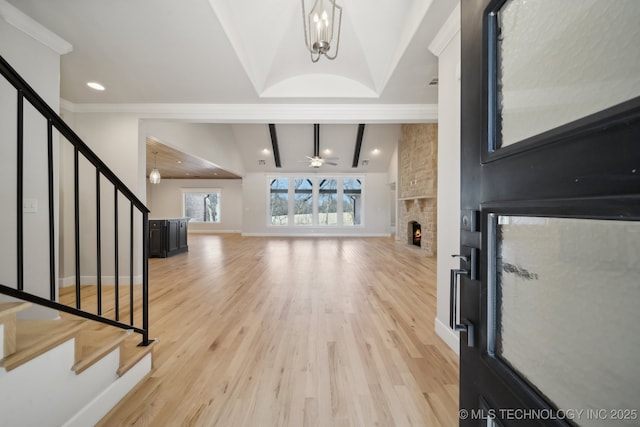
x,y
332,159
330,163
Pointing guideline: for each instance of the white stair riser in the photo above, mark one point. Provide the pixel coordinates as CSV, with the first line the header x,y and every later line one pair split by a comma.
x,y
45,391
95,410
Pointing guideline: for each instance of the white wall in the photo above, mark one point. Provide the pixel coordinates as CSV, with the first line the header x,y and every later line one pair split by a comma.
x,y
166,201
256,209
448,170
114,137
40,67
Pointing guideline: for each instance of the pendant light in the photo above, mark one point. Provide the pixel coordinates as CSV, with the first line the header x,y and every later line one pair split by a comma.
x,y
154,176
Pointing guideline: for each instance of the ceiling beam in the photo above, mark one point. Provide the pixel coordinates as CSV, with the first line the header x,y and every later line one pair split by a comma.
x,y
274,144
316,140
356,152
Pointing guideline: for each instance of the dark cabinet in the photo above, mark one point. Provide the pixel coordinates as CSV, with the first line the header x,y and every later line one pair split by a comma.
x,y
167,237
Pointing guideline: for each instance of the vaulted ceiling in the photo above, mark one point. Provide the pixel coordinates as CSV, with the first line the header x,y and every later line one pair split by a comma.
x,y
247,53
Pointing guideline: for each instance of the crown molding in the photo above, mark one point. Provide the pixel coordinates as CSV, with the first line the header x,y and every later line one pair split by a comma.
x,y
67,105
270,113
447,32
29,26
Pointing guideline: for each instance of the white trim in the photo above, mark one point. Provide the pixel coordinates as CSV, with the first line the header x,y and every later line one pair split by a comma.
x,y
320,233
270,113
201,190
450,338
66,105
29,26
95,410
64,282
213,231
447,32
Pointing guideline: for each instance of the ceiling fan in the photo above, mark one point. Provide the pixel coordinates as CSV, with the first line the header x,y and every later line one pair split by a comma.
x,y
316,161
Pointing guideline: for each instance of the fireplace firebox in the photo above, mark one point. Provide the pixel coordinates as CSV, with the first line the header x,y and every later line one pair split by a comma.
x,y
414,233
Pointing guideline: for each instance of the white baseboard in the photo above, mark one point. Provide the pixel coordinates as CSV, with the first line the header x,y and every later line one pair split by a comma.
x,y
190,231
315,235
448,336
92,280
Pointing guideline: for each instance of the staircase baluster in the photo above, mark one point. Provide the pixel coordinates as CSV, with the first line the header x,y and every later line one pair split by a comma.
x,y
76,200
19,190
117,277
131,265
98,245
52,237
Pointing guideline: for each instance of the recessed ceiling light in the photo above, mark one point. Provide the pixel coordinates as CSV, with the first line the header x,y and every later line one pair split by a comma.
x,y
375,151
266,151
95,85
327,151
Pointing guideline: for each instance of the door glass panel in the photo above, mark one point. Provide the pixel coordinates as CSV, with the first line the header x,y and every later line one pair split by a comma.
x,y
567,297
559,61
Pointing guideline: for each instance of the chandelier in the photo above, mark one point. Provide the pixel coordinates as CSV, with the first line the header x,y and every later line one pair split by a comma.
x,y
319,28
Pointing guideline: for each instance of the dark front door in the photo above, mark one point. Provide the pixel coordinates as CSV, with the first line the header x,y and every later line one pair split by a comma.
x,y
549,278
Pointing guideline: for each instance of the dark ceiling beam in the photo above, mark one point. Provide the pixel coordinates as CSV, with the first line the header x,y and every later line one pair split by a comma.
x,y
316,140
356,152
274,144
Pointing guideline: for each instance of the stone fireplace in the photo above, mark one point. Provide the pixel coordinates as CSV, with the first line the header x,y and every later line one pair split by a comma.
x,y
417,184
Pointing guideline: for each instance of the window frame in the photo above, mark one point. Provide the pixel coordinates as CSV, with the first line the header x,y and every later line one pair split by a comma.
x,y
315,180
201,190
289,193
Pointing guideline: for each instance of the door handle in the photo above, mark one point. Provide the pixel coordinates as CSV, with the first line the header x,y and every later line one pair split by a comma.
x,y
466,325
462,257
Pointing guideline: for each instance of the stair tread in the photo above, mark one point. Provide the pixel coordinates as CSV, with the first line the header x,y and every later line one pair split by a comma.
x,y
130,353
35,337
12,307
144,392
93,345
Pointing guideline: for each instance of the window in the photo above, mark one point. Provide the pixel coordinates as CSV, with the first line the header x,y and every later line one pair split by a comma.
x,y
279,201
315,201
303,201
328,202
202,205
351,201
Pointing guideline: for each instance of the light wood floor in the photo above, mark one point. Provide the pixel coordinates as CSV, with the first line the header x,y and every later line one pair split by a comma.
x,y
294,332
